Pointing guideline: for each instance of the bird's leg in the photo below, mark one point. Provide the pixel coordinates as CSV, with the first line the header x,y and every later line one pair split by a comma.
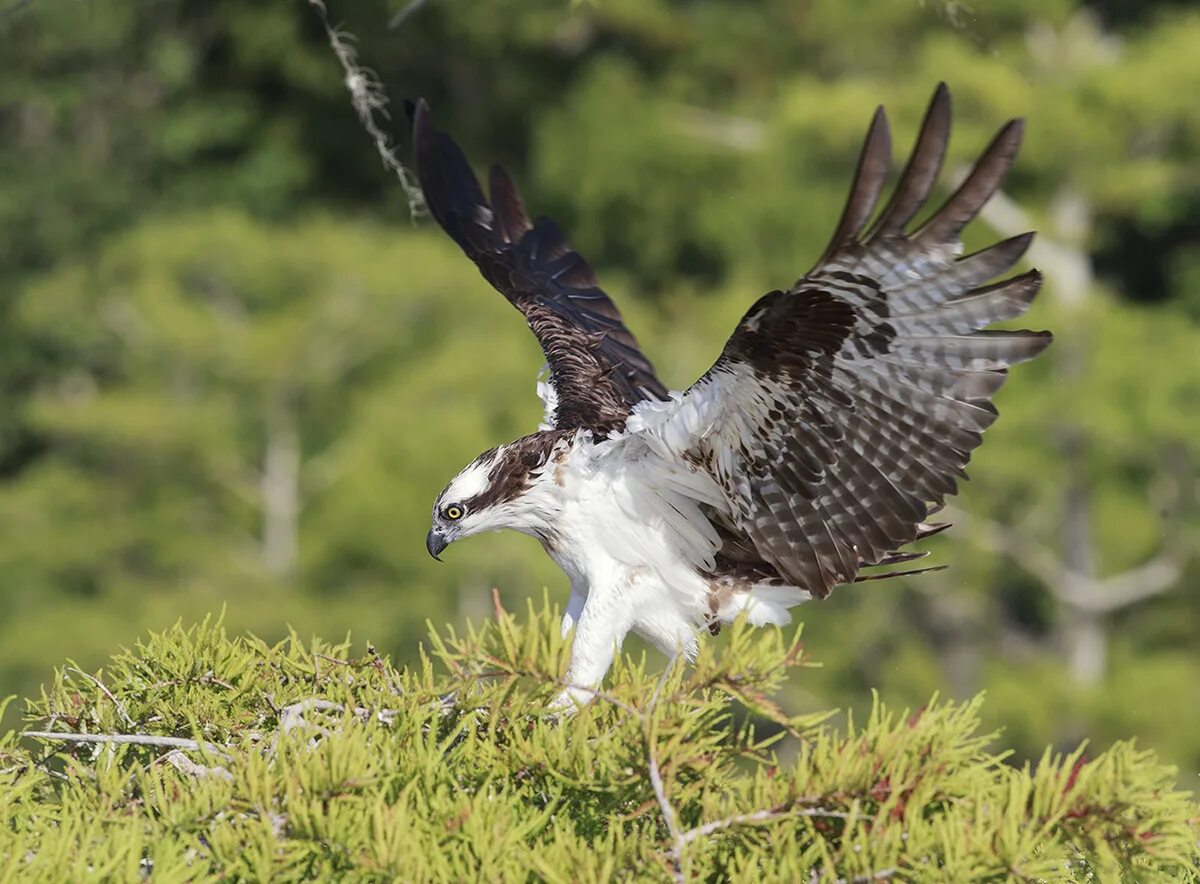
x,y
599,631
574,609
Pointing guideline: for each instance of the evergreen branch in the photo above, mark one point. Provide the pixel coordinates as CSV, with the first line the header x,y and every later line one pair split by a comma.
x,y
104,690
400,790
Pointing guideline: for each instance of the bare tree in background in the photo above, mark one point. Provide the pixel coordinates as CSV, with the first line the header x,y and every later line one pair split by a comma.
x,y
1085,599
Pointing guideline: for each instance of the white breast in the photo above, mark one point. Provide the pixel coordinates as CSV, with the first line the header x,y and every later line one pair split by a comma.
x,y
630,537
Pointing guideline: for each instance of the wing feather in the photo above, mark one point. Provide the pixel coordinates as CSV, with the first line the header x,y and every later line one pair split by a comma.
x,y
511,221
921,171
872,168
985,179
995,303
598,372
842,412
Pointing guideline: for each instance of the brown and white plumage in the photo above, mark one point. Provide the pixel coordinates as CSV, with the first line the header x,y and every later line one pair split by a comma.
x,y
838,417
598,371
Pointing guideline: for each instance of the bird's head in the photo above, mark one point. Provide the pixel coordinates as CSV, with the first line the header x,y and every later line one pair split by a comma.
x,y
507,487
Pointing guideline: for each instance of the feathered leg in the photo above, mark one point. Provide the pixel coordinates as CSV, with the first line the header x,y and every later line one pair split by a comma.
x,y
574,609
600,629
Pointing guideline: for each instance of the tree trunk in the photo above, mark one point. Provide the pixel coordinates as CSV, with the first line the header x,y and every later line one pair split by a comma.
x,y
1084,636
1083,632
1085,642
280,486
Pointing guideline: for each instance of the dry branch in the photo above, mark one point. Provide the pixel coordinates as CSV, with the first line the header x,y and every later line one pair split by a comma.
x,y
370,104
129,740
185,765
104,690
656,780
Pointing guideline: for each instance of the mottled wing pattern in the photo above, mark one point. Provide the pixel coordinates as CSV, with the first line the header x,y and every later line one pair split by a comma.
x,y
597,370
843,411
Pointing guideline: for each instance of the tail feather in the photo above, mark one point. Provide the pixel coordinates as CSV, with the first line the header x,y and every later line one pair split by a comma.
x,y
764,603
863,578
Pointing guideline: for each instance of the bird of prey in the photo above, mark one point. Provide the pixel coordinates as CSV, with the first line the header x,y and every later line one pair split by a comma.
x,y
839,415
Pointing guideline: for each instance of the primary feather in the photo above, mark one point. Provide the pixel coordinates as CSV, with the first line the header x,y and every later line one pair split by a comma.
x,y
598,371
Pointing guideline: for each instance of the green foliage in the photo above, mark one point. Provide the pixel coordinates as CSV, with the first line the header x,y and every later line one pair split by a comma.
x,y
311,765
185,349
201,262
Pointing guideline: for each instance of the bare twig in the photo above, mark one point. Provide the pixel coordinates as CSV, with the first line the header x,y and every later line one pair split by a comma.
x,y
381,667
597,694
129,739
656,780
370,104
742,819
292,716
766,815
185,765
406,13
104,690
39,765
211,678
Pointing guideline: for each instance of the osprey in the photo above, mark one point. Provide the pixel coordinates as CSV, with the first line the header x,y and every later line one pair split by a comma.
x,y
839,415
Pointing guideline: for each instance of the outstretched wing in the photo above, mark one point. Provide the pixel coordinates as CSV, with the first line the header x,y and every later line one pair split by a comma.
x,y
597,371
843,411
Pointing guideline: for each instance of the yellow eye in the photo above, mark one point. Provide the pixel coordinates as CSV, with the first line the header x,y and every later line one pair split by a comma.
x,y
453,513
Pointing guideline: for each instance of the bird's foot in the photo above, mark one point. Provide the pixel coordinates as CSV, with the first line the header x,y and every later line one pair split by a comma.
x,y
570,700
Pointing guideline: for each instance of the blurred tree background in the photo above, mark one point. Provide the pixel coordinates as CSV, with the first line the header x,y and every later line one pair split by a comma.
x,y
235,373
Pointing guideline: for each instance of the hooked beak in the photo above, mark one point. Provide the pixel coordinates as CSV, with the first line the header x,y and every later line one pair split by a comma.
x,y
435,542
